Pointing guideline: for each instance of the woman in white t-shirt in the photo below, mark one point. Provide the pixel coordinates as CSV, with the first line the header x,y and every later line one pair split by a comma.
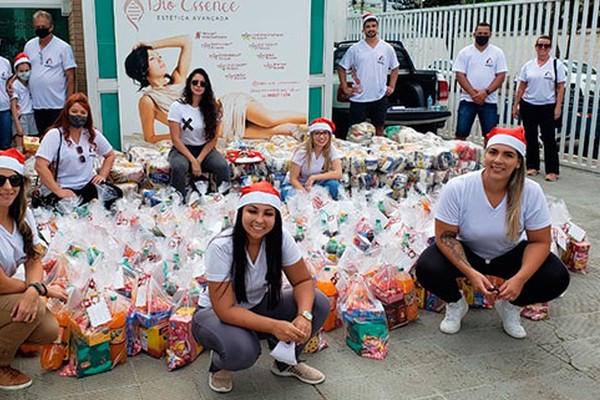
x,y
315,162
67,153
493,222
195,123
539,100
246,300
24,317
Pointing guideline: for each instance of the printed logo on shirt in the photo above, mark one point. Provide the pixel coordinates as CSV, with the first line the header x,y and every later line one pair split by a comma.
x,y
381,60
548,75
489,62
186,124
48,62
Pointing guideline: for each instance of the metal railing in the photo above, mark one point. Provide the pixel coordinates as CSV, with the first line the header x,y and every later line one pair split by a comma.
x,y
434,37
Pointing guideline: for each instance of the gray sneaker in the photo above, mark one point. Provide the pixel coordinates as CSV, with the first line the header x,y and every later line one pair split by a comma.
x,y
454,314
305,373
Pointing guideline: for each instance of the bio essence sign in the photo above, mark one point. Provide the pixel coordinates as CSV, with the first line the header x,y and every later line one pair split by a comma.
x,y
256,53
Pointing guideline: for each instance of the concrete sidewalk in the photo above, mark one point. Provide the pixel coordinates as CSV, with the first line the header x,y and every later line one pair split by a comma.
x,y
560,358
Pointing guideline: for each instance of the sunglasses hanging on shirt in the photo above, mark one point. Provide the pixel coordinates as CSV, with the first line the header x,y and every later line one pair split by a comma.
x,y
80,152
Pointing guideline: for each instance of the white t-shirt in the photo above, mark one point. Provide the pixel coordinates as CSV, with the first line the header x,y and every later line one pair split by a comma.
x,y
73,173
12,251
541,82
372,66
482,228
316,164
23,96
481,68
48,81
191,122
5,74
218,260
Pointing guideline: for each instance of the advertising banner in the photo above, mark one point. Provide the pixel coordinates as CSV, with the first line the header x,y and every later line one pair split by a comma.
x,y
254,52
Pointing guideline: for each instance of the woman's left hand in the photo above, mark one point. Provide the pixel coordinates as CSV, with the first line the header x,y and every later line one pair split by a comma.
x,y
98,179
305,326
511,289
26,307
557,113
309,183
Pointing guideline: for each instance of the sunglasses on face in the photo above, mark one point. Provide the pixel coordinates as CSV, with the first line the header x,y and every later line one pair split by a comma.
x,y
15,180
320,133
80,152
543,45
196,82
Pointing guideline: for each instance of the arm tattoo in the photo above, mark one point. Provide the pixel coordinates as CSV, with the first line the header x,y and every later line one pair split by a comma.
x,y
449,240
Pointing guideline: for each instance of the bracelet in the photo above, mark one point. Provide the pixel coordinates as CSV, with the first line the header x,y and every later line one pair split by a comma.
x,y
45,289
38,287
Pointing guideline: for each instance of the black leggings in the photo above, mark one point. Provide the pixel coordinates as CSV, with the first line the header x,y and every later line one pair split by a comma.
x,y
438,275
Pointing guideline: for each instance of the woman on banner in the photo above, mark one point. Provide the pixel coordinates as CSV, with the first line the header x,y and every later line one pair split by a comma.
x,y
194,124
493,222
23,313
539,101
66,156
243,116
315,162
246,301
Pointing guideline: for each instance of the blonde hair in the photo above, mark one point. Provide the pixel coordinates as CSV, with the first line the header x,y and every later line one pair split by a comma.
x,y
308,147
43,14
514,195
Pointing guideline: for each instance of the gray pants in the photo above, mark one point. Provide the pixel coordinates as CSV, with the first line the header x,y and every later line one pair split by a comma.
x,y
236,348
180,166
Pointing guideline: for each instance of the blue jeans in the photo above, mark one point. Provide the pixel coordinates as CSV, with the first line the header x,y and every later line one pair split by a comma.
x,y
467,110
5,130
332,185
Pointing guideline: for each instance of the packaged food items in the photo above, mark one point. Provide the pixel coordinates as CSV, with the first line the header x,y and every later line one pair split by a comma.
x,y
182,348
325,285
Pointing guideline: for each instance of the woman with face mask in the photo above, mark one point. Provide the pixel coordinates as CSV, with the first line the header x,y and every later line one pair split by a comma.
x,y
66,156
21,104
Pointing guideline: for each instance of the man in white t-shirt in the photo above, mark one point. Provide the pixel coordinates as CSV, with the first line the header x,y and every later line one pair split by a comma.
x,y
53,69
369,61
480,70
5,115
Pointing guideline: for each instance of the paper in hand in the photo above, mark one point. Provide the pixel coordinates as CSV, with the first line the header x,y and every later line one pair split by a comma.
x,y
285,353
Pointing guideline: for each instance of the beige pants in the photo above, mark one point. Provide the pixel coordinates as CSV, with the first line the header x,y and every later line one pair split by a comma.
x,y
43,329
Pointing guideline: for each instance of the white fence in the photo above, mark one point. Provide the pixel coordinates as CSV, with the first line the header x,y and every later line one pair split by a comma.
x,y
434,37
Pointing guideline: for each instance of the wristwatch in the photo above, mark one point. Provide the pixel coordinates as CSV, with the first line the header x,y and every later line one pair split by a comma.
x,y
38,287
488,91
306,314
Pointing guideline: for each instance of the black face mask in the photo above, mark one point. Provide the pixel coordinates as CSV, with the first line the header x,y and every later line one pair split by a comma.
x,y
42,33
77,121
482,40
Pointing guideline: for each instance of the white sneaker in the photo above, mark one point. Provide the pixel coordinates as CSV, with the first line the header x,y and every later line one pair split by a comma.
x,y
454,313
511,319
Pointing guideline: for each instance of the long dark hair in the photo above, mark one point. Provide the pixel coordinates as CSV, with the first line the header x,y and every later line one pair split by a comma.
x,y
17,211
62,122
273,242
209,108
136,66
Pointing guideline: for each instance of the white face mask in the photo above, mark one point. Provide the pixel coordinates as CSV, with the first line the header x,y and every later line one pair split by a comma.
x,y
24,75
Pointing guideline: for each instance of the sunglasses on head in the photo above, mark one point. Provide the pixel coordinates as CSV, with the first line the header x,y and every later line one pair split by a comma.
x,y
14,180
80,152
543,45
196,82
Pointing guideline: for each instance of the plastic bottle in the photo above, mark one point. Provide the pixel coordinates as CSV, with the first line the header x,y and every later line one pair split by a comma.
x,y
405,281
54,354
326,286
299,235
226,223
378,226
331,247
429,102
118,342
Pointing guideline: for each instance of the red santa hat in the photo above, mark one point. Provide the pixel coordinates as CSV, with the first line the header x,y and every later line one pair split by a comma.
x,y
20,59
369,17
513,137
321,124
12,159
260,193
